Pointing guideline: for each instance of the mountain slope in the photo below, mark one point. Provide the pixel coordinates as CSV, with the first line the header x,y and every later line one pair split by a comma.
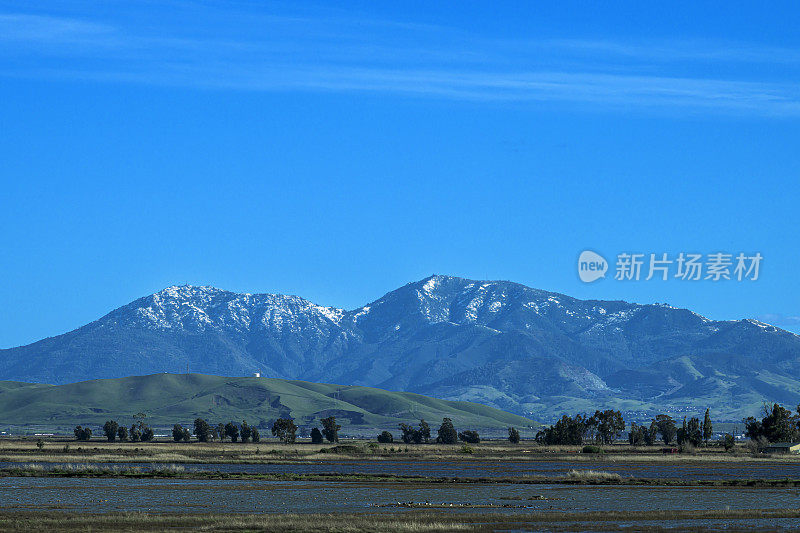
x,y
501,343
171,398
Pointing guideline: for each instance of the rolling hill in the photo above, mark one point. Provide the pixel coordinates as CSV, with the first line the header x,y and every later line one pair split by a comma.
x,y
523,350
167,399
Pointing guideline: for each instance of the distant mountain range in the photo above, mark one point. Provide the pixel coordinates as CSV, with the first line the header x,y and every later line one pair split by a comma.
x,y
168,399
503,344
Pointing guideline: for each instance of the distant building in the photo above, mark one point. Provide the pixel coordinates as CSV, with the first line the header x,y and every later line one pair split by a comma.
x,y
257,375
783,447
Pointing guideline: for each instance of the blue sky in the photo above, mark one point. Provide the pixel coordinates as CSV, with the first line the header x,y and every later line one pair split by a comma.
x,y
340,152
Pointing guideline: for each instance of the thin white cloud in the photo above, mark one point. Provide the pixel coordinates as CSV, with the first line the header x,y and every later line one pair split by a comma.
x,y
23,28
309,54
688,50
779,319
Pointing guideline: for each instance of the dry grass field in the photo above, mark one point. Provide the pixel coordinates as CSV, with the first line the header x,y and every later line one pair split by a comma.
x,y
271,451
408,521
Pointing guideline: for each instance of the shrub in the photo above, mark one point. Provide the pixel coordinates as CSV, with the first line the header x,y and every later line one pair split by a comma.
x,y
592,449
82,433
688,447
728,442
385,437
592,475
469,436
466,448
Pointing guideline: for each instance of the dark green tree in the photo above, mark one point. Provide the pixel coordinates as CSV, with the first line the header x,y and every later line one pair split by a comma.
x,y
409,433
666,427
110,429
285,429
636,435
447,433
232,431
330,429
146,433
413,435
609,424
424,431
513,435
567,430
694,435
135,433
650,434
178,433
316,436
385,437
202,430
681,433
122,433
708,429
778,425
255,436
246,431
221,432
82,433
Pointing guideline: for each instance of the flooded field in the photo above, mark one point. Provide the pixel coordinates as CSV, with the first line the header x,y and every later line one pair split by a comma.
x,y
223,496
86,495
526,494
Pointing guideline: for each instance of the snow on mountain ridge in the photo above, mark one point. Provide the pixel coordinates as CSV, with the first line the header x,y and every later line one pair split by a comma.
x,y
439,299
197,308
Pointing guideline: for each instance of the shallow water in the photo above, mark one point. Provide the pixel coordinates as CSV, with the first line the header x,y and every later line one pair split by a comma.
x,y
155,495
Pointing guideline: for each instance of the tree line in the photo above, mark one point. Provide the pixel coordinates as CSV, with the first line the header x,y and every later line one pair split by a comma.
x,y
778,424
604,427
446,434
138,432
283,428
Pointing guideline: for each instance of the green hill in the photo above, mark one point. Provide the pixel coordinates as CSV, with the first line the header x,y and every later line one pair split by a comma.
x,y
180,398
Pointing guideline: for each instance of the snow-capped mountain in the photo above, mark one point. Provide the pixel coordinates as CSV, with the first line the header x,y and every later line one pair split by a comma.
x,y
500,343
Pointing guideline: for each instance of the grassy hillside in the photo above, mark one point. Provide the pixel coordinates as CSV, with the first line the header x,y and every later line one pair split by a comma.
x,y
180,398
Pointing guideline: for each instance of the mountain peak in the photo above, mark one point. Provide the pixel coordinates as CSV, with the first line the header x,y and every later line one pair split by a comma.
x,y
188,291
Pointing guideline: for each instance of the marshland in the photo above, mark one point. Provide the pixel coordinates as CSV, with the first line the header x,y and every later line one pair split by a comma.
x,y
360,485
